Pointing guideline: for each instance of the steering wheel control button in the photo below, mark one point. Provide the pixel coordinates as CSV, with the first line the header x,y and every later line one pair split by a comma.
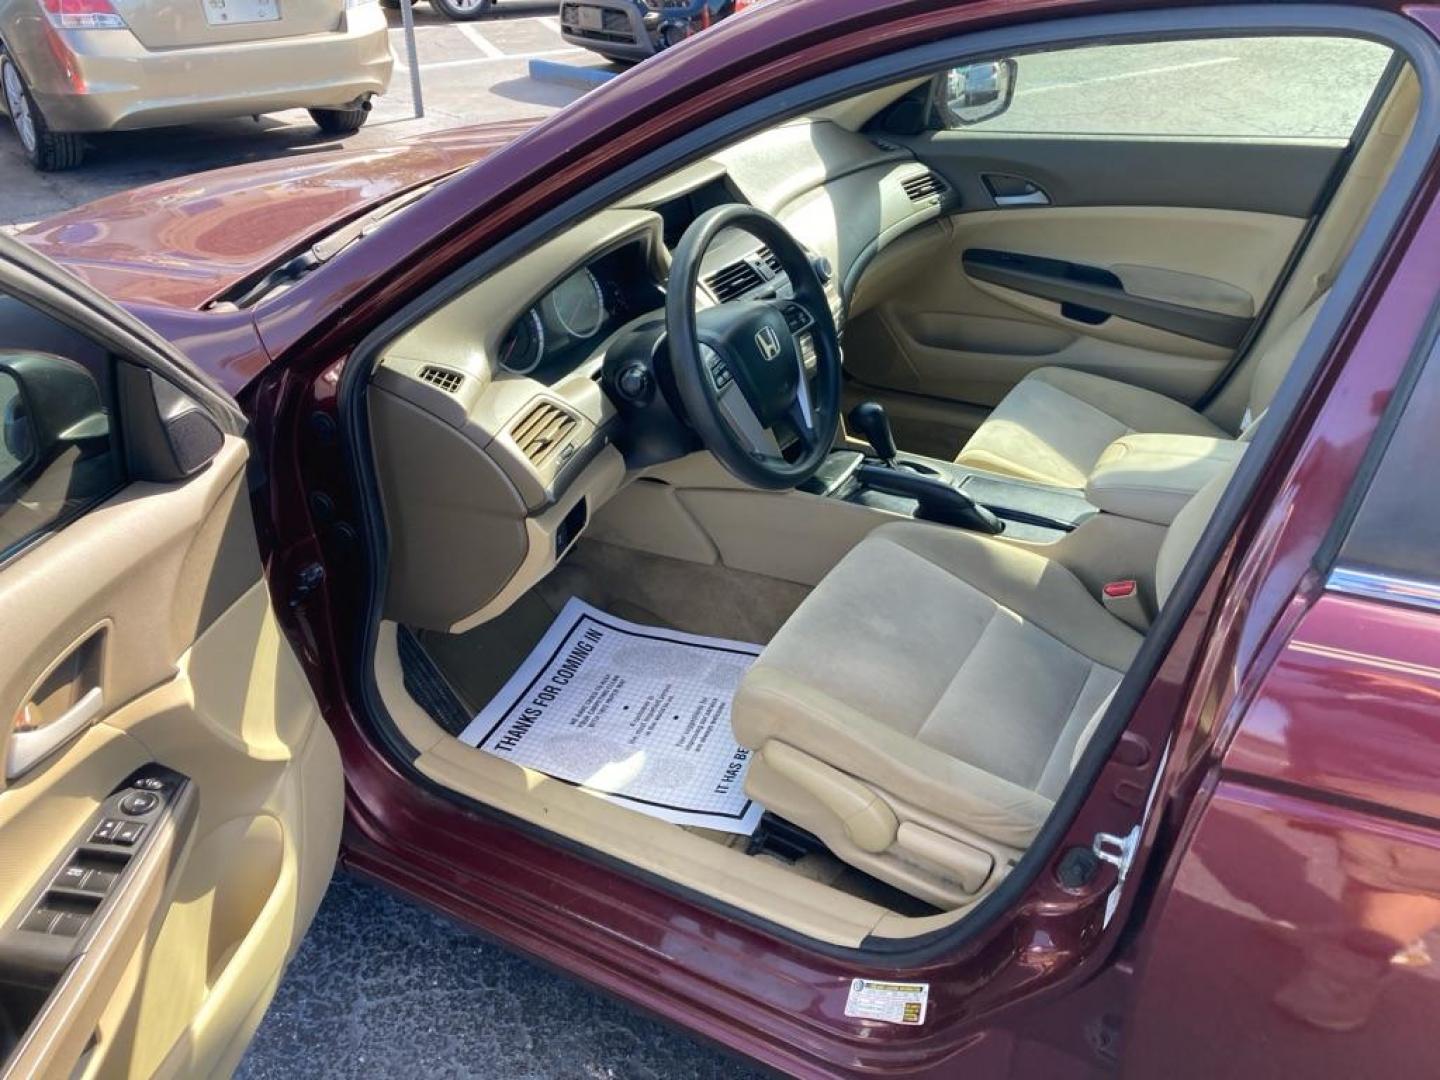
x,y
138,803
129,833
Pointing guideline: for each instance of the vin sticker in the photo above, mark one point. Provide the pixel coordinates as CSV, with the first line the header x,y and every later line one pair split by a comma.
x,y
892,1002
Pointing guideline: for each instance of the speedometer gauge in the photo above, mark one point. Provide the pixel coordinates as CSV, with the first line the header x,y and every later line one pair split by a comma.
x,y
524,346
577,305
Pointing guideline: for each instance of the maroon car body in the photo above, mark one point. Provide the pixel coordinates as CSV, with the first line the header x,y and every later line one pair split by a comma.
x,y
1302,786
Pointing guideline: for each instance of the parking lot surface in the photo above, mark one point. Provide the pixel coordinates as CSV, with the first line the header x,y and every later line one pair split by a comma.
x,y
470,72
381,988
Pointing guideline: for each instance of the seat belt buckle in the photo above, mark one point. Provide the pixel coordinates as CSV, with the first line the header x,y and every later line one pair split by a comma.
x,y
1122,599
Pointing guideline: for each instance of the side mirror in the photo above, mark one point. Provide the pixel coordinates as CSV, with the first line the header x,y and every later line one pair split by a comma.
x,y
977,92
50,404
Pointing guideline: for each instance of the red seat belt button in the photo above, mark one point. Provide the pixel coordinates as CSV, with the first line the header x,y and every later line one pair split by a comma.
x,y
1118,589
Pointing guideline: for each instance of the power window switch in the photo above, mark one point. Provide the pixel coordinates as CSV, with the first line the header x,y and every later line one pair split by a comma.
x,y
38,921
68,924
100,881
129,833
105,832
72,877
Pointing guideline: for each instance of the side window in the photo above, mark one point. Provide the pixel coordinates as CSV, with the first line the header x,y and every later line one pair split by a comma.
x,y
1269,88
59,447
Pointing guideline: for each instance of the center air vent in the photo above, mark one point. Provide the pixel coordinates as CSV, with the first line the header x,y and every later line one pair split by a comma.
x,y
769,258
444,378
923,186
542,432
734,281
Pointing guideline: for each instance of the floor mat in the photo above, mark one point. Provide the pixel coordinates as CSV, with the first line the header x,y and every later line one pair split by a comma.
x,y
636,714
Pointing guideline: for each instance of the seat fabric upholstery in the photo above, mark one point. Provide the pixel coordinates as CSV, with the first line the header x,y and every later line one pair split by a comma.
x,y
926,704
953,671
1056,422
1054,425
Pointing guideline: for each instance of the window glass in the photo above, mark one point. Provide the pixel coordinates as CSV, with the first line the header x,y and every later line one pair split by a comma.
x,y
1275,87
59,448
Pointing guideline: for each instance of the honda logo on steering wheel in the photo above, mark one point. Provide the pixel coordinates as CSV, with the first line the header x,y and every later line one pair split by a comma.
x,y
769,342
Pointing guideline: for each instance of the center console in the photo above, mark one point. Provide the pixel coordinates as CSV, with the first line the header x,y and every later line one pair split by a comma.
x,y
943,492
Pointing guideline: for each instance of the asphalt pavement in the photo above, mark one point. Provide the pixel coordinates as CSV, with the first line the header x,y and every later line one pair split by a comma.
x,y
382,988
470,73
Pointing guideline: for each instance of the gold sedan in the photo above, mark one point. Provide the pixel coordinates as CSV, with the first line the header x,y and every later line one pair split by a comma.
x,y
73,66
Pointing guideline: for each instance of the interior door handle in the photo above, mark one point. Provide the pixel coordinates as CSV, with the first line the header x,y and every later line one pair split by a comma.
x,y
27,748
1028,198
1007,190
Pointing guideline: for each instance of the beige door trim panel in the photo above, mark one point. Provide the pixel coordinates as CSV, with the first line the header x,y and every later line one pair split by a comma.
x,y
195,674
949,335
79,974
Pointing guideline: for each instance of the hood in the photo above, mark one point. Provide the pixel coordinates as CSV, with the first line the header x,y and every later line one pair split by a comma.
x,y
181,243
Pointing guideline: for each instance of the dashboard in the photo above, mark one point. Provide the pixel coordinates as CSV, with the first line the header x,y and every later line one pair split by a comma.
x,y
489,416
558,331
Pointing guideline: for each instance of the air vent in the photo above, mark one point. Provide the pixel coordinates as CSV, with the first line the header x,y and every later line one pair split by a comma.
x,y
733,281
769,258
444,378
542,432
923,186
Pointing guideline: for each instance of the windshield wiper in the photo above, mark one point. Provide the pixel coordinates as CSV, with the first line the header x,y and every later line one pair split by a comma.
x,y
287,273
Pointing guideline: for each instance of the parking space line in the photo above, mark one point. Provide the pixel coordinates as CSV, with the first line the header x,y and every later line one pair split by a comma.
x,y
477,60
479,41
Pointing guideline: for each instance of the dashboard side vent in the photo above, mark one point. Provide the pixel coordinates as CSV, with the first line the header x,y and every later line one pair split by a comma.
x,y
923,186
734,281
542,432
444,378
769,258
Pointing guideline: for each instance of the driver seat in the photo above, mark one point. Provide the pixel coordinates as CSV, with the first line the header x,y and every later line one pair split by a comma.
x,y
924,707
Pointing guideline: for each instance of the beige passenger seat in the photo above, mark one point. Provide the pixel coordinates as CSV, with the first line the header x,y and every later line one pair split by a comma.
x,y
926,704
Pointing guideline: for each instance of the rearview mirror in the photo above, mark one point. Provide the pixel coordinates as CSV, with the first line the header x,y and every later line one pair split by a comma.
x,y
976,92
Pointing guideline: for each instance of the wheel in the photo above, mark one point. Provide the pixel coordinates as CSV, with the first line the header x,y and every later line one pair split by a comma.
x,y
48,151
339,121
462,10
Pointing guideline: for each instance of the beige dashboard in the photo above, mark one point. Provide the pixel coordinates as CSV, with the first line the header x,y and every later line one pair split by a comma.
x,y
488,475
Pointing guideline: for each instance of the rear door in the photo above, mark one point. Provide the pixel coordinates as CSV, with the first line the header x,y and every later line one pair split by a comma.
x,y
170,798
1129,213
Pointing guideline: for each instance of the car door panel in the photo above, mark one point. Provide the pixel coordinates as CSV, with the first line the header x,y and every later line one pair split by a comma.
x,y
1284,177
151,611
949,333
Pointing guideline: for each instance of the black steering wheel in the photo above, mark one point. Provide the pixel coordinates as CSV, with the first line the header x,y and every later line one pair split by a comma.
x,y
739,367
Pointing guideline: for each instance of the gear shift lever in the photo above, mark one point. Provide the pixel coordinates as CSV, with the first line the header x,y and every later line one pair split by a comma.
x,y
869,419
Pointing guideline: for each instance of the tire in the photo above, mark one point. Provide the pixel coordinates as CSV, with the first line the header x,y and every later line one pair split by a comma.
x,y
339,121
48,151
462,10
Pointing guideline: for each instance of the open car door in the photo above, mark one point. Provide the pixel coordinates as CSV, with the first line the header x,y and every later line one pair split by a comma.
x,y
170,797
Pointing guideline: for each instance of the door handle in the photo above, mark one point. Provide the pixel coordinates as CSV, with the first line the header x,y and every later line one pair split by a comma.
x,y
1007,190
1029,198
29,747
